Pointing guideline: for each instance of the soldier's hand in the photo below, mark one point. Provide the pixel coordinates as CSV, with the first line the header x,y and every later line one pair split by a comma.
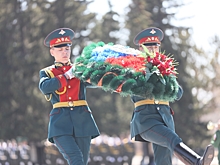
x,y
70,73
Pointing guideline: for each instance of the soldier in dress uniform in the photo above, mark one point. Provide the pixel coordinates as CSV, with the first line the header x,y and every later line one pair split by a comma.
x,y
71,125
152,120
216,139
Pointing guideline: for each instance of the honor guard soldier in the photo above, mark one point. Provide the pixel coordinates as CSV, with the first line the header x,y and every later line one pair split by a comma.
x,y
71,124
216,139
152,120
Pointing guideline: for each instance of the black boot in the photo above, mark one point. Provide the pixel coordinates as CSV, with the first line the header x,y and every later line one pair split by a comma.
x,y
189,157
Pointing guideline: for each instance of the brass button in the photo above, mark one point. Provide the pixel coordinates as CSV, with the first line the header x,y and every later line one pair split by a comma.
x,y
156,102
71,109
70,103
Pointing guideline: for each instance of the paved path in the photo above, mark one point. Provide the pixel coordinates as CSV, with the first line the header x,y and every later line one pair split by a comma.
x,y
137,159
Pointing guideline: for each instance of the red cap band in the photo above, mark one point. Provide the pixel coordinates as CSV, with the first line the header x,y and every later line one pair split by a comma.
x,y
149,40
61,40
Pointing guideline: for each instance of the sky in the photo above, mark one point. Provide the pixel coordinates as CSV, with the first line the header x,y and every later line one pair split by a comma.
x,y
204,15
205,22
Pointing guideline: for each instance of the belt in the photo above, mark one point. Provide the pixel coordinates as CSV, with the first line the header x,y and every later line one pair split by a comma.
x,y
70,104
144,102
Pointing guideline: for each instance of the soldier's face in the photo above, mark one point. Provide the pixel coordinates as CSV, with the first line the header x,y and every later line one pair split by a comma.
x,y
61,54
152,49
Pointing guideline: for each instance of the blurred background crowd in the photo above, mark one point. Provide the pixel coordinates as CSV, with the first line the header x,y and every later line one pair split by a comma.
x,y
104,150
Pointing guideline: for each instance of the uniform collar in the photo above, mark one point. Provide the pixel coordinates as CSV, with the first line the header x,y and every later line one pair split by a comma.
x,y
60,64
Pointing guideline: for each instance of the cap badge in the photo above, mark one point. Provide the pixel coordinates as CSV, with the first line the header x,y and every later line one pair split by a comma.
x,y
62,32
152,31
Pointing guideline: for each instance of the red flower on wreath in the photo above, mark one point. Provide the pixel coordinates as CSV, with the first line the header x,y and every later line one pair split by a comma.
x,y
165,64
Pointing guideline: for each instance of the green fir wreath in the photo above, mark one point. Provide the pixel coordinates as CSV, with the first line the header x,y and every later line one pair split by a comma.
x,y
128,71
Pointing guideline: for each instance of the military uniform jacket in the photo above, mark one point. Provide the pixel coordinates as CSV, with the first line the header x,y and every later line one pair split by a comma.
x,y
77,121
146,116
216,139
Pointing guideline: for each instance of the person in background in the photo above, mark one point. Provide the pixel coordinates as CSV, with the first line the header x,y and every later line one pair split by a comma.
x,y
71,124
152,120
147,152
216,139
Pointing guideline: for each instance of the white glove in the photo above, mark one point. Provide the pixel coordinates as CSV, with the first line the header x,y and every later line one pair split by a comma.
x,y
70,73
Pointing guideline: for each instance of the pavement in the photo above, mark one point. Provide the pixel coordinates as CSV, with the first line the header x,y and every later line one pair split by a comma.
x,y
137,159
139,155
